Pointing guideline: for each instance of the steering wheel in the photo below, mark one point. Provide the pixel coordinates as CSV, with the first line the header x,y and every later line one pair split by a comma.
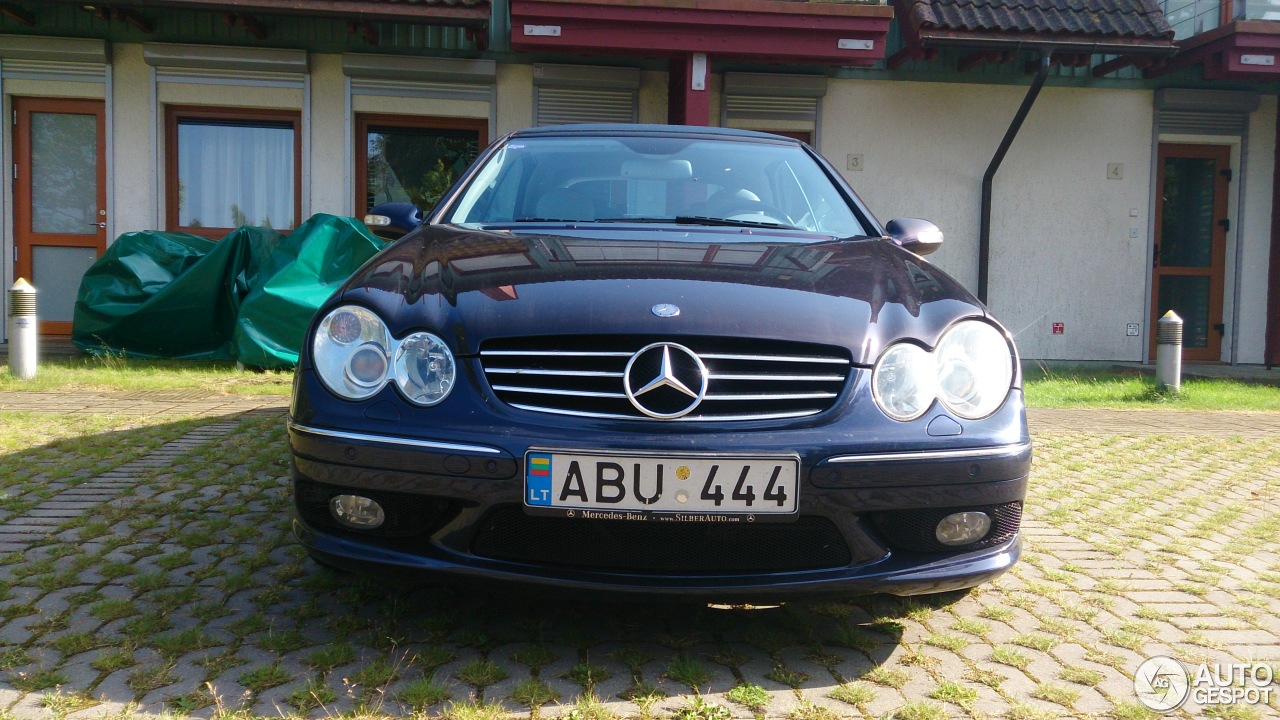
x,y
755,210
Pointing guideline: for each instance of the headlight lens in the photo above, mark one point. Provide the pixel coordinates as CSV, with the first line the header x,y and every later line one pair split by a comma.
x,y
424,369
904,382
975,369
970,371
353,351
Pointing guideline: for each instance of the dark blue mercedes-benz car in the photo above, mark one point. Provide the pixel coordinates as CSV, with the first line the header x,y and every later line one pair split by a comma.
x,y
664,360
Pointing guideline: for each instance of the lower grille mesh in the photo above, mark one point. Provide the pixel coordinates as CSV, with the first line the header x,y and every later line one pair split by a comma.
x,y
913,530
651,547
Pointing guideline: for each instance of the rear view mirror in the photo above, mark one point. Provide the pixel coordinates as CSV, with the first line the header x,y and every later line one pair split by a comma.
x,y
919,236
391,221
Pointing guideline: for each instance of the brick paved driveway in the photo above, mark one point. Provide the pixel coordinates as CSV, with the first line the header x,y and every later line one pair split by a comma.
x,y
146,568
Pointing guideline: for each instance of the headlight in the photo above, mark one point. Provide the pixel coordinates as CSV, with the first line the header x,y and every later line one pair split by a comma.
x,y
353,354
904,382
975,369
424,369
970,371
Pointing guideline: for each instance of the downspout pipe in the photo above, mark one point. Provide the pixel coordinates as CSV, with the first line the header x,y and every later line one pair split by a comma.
x,y
984,227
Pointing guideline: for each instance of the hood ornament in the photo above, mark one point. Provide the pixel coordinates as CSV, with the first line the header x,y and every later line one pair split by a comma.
x,y
665,310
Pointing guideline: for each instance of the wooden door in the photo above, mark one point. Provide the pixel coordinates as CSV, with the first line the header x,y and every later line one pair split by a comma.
x,y
60,196
1189,257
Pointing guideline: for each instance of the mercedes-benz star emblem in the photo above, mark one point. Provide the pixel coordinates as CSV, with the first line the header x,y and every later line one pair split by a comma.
x,y
665,380
665,310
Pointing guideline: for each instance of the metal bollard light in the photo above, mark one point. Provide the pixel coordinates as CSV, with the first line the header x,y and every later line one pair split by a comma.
x,y
22,330
1169,352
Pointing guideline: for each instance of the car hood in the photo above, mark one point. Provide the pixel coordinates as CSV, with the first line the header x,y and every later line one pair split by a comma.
x,y
470,285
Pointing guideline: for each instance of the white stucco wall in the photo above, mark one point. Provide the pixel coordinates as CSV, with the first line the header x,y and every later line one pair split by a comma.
x,y
134,143
515,97
1255,224
1061,250
331,170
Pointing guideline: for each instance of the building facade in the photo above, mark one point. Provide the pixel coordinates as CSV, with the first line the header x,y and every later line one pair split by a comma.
x,y
1137,173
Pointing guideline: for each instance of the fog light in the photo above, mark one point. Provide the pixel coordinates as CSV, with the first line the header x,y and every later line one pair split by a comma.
x,y
963,528
357,512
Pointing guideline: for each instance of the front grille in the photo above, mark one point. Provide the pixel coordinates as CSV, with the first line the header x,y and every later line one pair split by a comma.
x,y
584,376
656,547
407,515
914,530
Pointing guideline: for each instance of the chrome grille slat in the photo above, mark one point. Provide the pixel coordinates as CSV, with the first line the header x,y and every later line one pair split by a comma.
x,y
747,380
556,391
564,373
774,378
776,358
773,396
554,353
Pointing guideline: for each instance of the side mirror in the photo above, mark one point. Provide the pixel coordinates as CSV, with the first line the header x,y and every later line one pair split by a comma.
x,y
919,236
390,221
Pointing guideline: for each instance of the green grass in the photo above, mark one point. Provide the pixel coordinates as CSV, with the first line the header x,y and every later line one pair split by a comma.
x,y
1085,388
533,692
426,691
854,693
109,373
954,692
749,696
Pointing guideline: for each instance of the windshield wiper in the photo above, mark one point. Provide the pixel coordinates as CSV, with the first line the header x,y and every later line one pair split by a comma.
x,y
635,220
727,222
677,220
555,220
699,220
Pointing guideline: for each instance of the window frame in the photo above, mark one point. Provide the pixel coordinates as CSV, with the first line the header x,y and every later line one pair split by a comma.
x,y
407,122
175,114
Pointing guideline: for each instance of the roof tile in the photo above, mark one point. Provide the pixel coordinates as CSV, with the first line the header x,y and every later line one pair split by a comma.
x,y
1140,19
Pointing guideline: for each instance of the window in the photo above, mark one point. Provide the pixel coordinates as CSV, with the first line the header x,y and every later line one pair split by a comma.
x,y
229,167
413,160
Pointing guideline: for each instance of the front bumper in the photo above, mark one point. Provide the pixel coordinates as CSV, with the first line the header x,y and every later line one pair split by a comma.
x,y
465,483
898,576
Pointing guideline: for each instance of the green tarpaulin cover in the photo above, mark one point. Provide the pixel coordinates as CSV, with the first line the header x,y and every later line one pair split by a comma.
x,y
246,297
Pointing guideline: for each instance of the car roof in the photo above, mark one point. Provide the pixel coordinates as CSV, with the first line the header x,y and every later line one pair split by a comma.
x,y
634,130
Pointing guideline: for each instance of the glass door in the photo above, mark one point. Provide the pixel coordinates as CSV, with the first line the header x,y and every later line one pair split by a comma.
x,y
1190,244
60,218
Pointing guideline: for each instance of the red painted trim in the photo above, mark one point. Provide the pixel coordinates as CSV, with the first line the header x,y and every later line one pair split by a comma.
x,y
686,106
1220,51
781,47
720,7
723,28
1271,352
757,20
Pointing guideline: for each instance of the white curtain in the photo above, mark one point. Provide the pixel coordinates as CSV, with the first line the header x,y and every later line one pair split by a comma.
x,y
231,175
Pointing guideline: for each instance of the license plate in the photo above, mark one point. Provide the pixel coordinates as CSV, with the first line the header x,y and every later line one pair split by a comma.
x,y
680,487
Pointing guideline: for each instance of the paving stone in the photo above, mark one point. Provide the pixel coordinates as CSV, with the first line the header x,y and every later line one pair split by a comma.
x,y
17,631
29,708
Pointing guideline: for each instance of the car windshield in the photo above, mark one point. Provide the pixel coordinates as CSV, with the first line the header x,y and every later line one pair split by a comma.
x,y
655,180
